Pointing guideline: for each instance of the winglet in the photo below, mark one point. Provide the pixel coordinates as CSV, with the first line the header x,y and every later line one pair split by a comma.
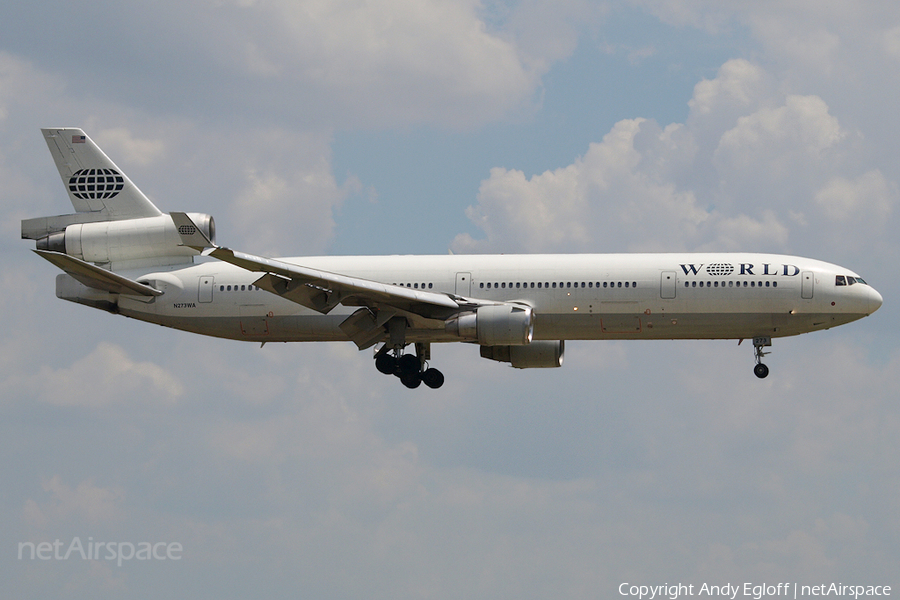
x,y
191,235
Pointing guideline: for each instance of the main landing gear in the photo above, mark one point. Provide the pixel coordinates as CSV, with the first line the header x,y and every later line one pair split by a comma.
x,y
410,368
759,342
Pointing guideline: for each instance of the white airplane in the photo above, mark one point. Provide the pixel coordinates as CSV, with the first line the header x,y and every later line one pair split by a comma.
x,y
121,254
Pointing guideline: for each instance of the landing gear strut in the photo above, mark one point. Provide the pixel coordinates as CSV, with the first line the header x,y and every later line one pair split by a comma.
x,y
759,342
411,369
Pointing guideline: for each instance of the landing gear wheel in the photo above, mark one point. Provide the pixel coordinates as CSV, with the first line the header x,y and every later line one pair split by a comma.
x,y
433,378
409,364
761,371
411,380
385,363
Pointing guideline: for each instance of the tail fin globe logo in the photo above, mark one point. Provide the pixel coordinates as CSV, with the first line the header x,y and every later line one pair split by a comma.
x,y
96,184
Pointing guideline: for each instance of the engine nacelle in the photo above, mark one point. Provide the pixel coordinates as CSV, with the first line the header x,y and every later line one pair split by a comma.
x,y
496,325
540,354
127,240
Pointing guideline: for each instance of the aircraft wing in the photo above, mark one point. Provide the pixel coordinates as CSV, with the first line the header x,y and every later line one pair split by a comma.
x,y
321,290
97,278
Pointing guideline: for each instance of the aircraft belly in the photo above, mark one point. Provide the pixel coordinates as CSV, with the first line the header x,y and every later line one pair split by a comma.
x,y
663,325
253,327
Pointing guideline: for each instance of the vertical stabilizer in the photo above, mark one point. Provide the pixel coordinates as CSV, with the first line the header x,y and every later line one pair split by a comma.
x,y
94,183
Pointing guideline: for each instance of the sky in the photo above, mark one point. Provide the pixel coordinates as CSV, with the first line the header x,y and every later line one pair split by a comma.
x,y
311,127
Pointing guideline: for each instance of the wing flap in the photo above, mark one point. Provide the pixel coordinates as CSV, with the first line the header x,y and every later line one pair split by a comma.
x,y
97,278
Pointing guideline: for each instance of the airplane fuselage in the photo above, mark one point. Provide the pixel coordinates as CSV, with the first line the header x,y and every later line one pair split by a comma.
x,y
587,297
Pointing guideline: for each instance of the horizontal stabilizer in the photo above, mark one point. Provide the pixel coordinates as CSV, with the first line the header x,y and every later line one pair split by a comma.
x,y
97,278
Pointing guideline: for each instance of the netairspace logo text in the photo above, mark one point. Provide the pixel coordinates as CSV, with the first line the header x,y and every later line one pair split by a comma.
x,y
757,591
117,551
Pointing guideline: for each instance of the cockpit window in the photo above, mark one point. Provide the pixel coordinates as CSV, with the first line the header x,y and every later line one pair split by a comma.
x,y
848,280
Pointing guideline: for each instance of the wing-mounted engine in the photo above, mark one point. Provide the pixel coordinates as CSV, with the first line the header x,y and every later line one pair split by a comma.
x,y
124,243
495,325
540,354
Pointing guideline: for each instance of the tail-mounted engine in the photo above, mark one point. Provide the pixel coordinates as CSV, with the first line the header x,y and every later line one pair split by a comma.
x,y
136,241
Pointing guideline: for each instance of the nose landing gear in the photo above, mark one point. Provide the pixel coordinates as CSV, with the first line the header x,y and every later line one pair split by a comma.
x,y
759,342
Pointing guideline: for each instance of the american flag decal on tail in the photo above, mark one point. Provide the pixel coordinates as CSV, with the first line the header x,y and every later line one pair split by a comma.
x,y
77,139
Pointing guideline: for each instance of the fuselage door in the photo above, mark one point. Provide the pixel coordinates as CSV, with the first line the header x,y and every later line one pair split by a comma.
x,y
463,284
807,283
667,285
206,289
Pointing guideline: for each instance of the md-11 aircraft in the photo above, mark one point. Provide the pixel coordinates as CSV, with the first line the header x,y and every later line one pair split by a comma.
x,y
119,253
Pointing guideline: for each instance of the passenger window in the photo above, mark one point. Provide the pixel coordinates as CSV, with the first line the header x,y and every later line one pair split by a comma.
x,y
554,285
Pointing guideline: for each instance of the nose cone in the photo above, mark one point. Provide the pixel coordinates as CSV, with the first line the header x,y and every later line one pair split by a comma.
x,y
875,300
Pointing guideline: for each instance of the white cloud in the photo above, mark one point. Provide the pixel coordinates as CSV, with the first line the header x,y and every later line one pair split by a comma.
x,y
605,200
738,86
19,82
287,194
106,376
864,202
86,503
891,43
123,142
748,170
781,141
385,63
